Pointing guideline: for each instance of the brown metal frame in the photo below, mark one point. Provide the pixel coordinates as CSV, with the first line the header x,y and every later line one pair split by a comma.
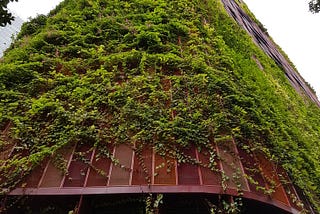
x,y
160,188
150,189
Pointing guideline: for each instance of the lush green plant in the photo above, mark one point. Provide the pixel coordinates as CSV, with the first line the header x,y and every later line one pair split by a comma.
x,y
314,6
5,16
166,74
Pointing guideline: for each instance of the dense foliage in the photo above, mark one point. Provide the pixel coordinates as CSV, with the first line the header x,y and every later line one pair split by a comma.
x,y
161,73
314,6
5,16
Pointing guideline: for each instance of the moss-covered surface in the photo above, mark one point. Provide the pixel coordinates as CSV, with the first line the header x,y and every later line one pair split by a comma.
x,y
161,73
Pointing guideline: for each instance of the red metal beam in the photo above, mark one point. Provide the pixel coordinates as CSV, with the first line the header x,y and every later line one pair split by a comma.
x,y
150,189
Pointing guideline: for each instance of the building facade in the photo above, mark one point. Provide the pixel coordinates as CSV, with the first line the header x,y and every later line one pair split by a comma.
x,y
147,106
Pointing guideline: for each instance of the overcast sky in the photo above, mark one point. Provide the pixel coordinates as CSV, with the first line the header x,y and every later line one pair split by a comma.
x,y
296,30
289,23
30,8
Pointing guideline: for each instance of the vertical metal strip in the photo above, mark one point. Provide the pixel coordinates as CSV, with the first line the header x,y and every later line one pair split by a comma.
x,y
77,209
176,170
12,149
218,153
44,173
111,165
89,169
153,166
132,165
261,168
241,166
68,164
199,170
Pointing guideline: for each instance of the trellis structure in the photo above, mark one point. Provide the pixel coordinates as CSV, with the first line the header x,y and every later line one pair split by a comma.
x,y
131,172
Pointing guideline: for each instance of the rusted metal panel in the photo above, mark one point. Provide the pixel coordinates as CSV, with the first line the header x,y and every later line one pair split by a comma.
x,y
270,174
291,192
79,165
147,172
142,170
52,176
164,170
99,174
188,173
33,180
121,171
231,165
210,171
251,167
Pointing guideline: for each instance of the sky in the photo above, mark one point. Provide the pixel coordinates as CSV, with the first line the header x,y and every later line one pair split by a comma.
x,y
289,23
30,8
295,30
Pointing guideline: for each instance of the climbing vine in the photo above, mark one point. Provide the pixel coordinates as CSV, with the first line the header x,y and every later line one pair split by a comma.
x,y
161,74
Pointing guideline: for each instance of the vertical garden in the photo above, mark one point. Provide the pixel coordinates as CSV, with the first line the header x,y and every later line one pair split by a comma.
x,y
161,74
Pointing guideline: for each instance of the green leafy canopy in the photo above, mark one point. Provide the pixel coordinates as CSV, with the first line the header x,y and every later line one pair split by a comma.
x,y
5,16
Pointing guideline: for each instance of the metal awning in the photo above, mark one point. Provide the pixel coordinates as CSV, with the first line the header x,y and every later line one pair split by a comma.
x,y
124,170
